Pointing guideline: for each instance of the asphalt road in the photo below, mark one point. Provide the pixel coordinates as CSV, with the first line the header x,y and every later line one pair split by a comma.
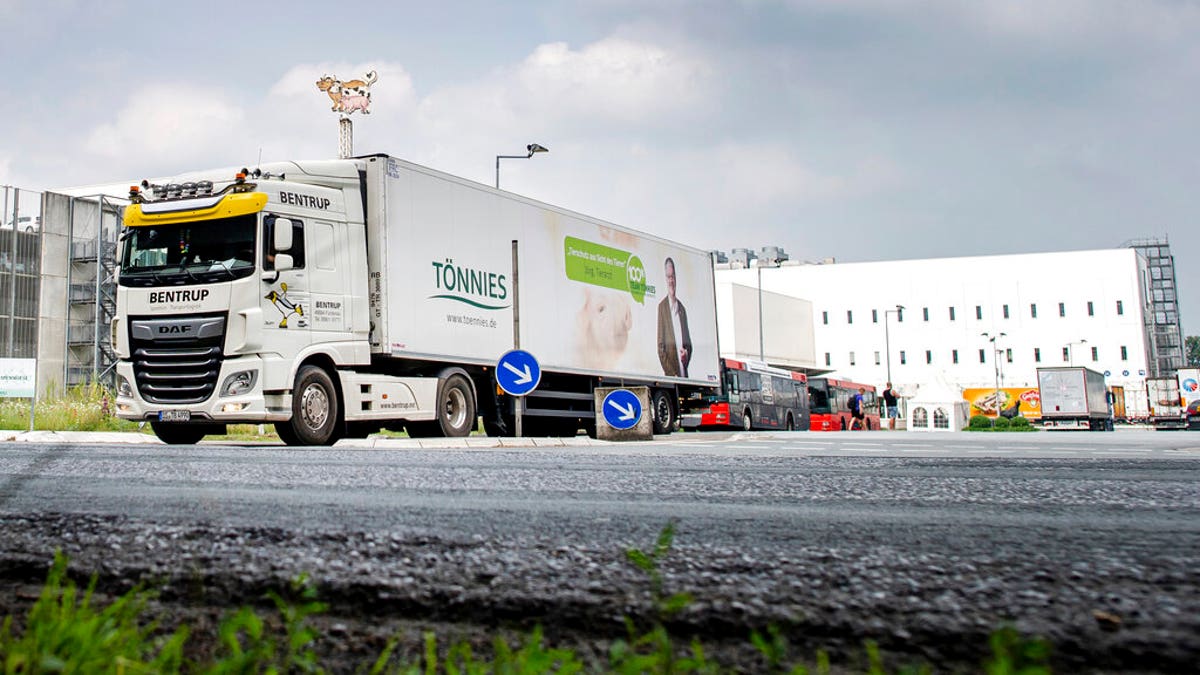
x,y
924,543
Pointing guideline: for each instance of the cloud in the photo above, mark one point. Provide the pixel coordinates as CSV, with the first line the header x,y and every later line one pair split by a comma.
x,y
167,121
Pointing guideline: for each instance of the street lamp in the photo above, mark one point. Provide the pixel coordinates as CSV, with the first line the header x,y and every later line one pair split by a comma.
x,y
1071,352
532,148
996,365
887,340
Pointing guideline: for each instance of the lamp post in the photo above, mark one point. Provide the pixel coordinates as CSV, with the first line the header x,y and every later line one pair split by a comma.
x,y
1071,352
996,365
532,148
887,340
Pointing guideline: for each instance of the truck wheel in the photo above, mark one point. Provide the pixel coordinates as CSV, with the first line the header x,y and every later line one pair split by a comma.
x,y
184,434
664,412
285,433
314,407
456,407
791,423
747,420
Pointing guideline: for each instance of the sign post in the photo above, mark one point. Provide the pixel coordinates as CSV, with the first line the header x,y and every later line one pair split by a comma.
x,y
518,373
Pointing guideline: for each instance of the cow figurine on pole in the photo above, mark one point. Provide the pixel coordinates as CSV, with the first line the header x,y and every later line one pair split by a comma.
x,y
348,97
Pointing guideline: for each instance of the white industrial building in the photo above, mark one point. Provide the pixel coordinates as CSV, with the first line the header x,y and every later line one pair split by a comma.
x,y
1111,310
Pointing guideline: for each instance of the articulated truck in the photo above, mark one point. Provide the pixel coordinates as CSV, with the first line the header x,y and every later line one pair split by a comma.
x,y
334,298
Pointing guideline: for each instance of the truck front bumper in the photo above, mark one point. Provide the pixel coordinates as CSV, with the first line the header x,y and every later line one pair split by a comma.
x,y
227,403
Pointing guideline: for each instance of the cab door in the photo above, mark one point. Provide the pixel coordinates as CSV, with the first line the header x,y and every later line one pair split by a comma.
x,y
286,298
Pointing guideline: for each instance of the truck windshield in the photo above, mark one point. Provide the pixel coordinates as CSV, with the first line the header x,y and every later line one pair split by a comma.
x,y
182,254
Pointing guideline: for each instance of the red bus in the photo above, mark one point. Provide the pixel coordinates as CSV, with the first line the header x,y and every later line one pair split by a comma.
x,y
830,404
753,396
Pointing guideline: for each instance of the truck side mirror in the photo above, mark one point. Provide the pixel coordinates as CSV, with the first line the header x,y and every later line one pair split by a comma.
x,y
283,236
283,262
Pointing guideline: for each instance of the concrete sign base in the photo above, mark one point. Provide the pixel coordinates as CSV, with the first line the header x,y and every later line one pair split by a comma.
x,y
642,430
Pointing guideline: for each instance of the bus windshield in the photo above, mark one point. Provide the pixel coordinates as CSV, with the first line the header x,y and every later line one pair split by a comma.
x,y
181,254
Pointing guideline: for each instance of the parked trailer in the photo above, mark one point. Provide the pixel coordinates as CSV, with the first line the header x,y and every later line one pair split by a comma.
x,y
336,297
1189,391
1074,398
1166,406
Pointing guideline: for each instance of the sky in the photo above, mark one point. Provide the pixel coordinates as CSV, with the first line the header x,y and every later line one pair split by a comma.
x,y
860,130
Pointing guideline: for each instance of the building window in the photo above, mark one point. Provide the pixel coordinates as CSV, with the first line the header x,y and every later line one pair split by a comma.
x,y
827,359
1091,309
1008,354
852,358
849,316
1062,309
876,358
1037,355
825,318
1124,353
925,313
1005,311
1120,308
1066,354
954,355
951,313
979,312
1033,310
903,358
982,356
941,420
1095,354
928,356
874,316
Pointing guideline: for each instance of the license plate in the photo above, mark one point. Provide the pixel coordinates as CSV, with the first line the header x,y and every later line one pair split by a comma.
x,y
174,415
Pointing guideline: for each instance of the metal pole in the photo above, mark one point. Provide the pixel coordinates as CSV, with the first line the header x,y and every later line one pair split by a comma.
x,y
996,372
519,403
12,286
345,138
498,174
99,269
887,345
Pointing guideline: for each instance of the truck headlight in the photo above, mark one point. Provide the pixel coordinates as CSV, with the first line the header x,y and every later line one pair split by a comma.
x,y
124,389
239,383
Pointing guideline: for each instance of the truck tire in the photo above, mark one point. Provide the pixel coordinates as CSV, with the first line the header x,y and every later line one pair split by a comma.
x,y
747,420
315,408
790,425
456,407
664,412
285,433
184,434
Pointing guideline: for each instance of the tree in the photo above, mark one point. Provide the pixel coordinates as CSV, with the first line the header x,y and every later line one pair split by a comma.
x,y
1192,350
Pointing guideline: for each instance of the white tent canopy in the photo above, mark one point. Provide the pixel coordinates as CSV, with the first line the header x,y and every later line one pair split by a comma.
x,y
938,406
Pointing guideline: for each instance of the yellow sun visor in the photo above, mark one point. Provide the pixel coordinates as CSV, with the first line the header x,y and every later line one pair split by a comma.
x,y
190,210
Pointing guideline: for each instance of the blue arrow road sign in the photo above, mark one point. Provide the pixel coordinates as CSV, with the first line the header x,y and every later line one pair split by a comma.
x,y
517,372
621,409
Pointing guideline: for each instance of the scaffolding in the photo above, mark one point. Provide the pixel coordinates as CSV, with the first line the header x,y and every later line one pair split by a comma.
x,y
1164,335
91,289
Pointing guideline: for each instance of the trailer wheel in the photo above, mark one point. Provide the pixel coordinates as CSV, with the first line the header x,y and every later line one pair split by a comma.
x,y
314,408
184,434
456,407
664,412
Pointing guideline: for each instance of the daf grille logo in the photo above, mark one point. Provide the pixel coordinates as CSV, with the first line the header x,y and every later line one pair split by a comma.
x,y
173,330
